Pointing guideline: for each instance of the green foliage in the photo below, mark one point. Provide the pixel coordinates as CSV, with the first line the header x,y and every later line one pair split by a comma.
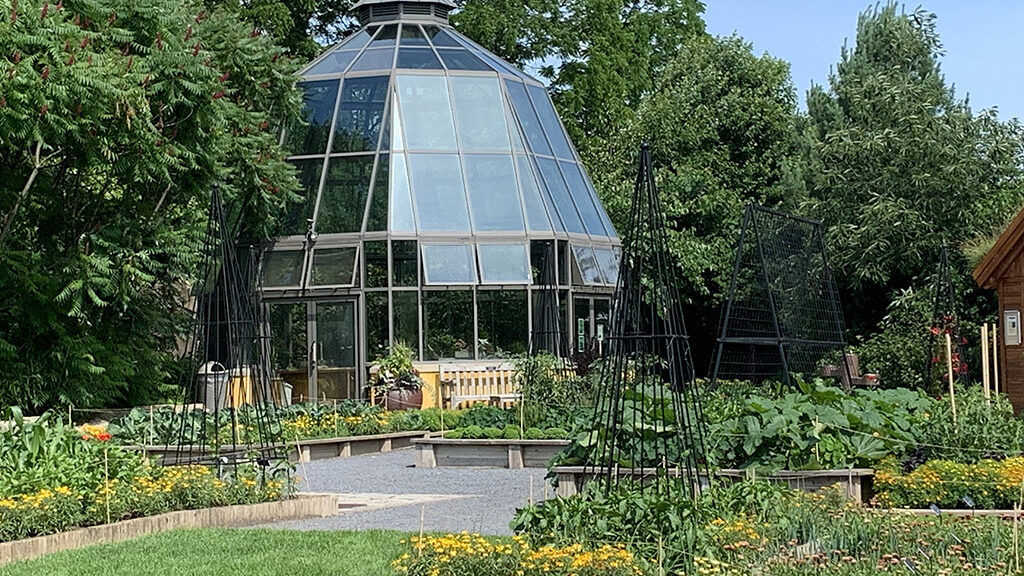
x,y
492,433
990,484
533,434
511,433
983,429
551,392
484,416
116,119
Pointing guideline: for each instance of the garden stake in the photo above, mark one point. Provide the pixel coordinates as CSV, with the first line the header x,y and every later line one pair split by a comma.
x,y
949,373
995,360
984,363
150,425
106,481
423,511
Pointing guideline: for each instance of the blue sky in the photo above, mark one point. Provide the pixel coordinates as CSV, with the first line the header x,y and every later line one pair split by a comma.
x,y
983,41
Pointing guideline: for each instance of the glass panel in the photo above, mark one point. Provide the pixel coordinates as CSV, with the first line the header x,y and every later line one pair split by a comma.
x,y
602,321
584,201
376,325
377,219
359,39
386,37
540,252
560,194
493,195
343,200
380,59
417,59
360,114
608,264
587,263
282,268
563,262
406,306
336,350
548,117
333,266
401,197
581,323
449,264
288,348
375,254
502,323
405,263
517,137
397,136
440,195
318,100
600,207
479,112
527,117
301,212
412,36
504,264
495,62
536,216
426,112
333,63
461,60
439,37
448,324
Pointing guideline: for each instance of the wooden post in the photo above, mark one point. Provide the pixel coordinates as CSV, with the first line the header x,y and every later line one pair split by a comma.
x,y
995,359
949,374
984,363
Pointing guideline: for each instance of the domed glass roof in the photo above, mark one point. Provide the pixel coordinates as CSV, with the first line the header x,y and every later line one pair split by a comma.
x,y
414,131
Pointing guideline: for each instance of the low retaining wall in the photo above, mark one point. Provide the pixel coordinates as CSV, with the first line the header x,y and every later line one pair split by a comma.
x,y
856,482
307,450
302,506
449,452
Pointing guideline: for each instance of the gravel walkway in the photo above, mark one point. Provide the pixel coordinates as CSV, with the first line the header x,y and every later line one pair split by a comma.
x,y
451,499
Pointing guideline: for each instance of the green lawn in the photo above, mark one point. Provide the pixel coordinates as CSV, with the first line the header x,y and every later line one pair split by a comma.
x,y
227,552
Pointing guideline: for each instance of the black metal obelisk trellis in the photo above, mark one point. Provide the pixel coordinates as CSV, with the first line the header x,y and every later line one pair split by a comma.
x,y
944,321
546,334
228,412
648,423
783,315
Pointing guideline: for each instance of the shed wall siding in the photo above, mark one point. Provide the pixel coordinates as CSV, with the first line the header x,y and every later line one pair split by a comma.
x,y
1011,358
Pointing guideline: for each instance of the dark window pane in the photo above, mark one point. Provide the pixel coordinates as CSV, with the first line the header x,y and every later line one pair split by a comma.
x,y
584,200
503,264
406,306
375,254
527,117
564,262
480,115
581,323
602,319
333,266
386,37
542,262
461,60
359,39
412,36
336,342
405,263
376,325
360,114
449,264
378,217
282,268
502,323
493,194
318,100
590,273
344,198
439,192
552,127
560,194
401,197
288,338
299,214
608,263
498,64
335,62
380,59
426,112
448,324
439,37
417,59
536,215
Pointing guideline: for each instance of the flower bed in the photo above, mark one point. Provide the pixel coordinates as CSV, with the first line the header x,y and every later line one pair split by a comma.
x,y
993,484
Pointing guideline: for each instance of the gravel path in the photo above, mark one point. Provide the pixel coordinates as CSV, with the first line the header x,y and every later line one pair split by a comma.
x,y
453,499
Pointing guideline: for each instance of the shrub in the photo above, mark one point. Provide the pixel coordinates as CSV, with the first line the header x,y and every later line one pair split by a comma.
x,y
483,415
472,432
454,434
533,434
983,429
989,483
511,433
492,433
556,433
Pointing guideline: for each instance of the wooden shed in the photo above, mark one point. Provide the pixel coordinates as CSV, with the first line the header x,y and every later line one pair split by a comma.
x,y
1002,269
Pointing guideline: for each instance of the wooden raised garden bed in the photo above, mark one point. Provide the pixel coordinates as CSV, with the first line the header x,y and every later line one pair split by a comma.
x,y
307,450
449,452
856,482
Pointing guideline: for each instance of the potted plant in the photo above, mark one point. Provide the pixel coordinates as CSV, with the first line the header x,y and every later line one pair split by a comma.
x,y
396,383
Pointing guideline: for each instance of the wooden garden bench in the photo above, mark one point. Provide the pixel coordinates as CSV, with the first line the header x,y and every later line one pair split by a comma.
x,y
854,377
462,383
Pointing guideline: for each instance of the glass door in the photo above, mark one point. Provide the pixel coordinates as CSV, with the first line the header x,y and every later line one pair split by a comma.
x,y
333,374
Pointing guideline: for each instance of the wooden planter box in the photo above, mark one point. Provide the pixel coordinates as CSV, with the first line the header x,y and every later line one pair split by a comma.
x,y
305,450
449,452
302,506
856,482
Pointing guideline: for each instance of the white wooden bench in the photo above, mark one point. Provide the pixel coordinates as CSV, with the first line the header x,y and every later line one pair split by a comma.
x,y
469,383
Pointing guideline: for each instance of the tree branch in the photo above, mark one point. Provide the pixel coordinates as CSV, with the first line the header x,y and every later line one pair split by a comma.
x,y
9,217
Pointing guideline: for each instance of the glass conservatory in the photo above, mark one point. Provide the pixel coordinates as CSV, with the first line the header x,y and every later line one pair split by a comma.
x,y
437,181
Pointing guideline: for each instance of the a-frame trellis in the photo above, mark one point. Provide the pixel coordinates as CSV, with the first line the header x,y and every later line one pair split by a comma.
x,y
944,320
783,314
